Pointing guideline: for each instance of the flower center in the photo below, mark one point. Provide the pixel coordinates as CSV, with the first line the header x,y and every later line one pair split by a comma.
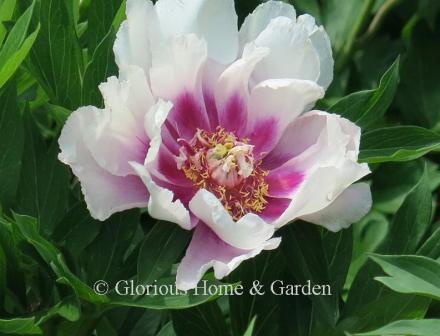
x,y
225,165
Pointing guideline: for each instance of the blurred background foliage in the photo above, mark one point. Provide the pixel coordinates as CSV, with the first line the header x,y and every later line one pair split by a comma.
x,y
53,55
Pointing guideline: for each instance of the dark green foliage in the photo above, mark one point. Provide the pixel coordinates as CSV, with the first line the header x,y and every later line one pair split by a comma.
x,y
383,271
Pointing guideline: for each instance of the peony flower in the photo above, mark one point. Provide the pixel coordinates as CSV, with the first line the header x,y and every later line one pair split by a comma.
x,y
207,126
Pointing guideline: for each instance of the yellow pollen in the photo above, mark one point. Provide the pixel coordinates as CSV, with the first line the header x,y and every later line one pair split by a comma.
x,y
248,195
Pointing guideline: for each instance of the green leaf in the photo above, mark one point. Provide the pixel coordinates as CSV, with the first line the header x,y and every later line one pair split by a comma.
x,y
106,257
56,58
366,107
303,249
11,145
431,246
147,324
308,6
408,227
367,235
389,193
418,96
429,10
68,308
410,274
250,330
204,320
44,180
159,251
3,270
100,17
296,314
375,59
351,18
119,16
6,11
169,300
20,326
408,328
16,36
59,113
266,268
411,223
338,249
12,64
167,330
105,328
28,228
398,143
77,229
101,66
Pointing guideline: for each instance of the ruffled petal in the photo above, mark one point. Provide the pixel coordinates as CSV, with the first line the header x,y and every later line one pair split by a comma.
x,y
322,45
349,207
136,35
320,188
273,105
324,147
104,193
162,204
292,53
232,90
249,232
256,22
176,66
212,20
116,135
207,250
315,138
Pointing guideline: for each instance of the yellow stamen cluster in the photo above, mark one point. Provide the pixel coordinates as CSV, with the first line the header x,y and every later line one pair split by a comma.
x,y
247,196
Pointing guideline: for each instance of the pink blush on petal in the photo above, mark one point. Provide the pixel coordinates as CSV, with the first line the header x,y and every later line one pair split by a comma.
x,y
187,116
264,135
275,208
233,117
211,108
283,182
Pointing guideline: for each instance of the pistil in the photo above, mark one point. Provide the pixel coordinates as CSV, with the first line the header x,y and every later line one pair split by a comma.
x,y
225,165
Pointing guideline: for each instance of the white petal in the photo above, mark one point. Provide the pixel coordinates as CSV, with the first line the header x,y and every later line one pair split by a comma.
x,y
316,138
139,98
213,20
248,232
176,66
273,105
324,148
236,77
284,99
349,207
206,250
104,193
234,84
292,54
322,45
161,205
117,136
153,123
256,22
137,34
321,188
